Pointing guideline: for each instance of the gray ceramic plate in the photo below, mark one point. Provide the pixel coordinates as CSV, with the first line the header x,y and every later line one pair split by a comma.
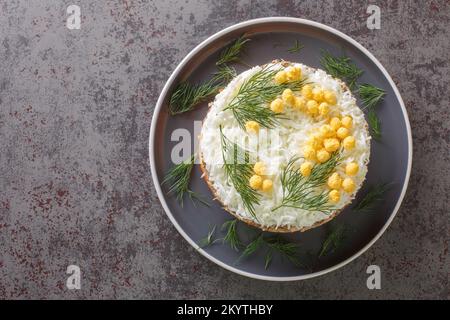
x,y
390,159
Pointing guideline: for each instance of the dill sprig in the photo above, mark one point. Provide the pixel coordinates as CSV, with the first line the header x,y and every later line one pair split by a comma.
x,y
238,170
224,73
341,67
287,249
232,52
252,246
333,241
231,236
298,191
273,245
373,196
370,95
186,96
178,180
296,47
253,95
268,259
375,124
209,239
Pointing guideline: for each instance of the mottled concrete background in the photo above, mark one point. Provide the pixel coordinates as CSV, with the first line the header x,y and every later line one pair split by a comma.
x,y
75,186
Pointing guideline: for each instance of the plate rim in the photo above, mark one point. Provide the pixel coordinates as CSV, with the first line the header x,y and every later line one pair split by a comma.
x,y
164,92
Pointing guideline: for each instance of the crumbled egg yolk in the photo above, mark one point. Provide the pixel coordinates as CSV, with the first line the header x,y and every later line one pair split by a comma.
x,y
305,169
294,73
334,181
331,144
288,97
307,91
255,182
327,131
349,143
326,118
342,133
348,185
312,107
252,127
315,101
324,108
347,122
309,153
335,123
267,185
351,168
300,103
259,168
315,142
329,97
317,94
281,77
334,196
319,135
323,155
277,105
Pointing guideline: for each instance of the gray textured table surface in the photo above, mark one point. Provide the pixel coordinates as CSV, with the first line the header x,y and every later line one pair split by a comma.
x,y
75,112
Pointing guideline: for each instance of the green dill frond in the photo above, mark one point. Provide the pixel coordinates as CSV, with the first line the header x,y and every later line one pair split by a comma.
x,y
268,259
375,125
296,47
231,236
333,241
321,171
252,246
232,52
341,67
225,73
250,103
285,248
272,245
238,170
374,195
186,96
209,239
177,178
298,191
370,95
